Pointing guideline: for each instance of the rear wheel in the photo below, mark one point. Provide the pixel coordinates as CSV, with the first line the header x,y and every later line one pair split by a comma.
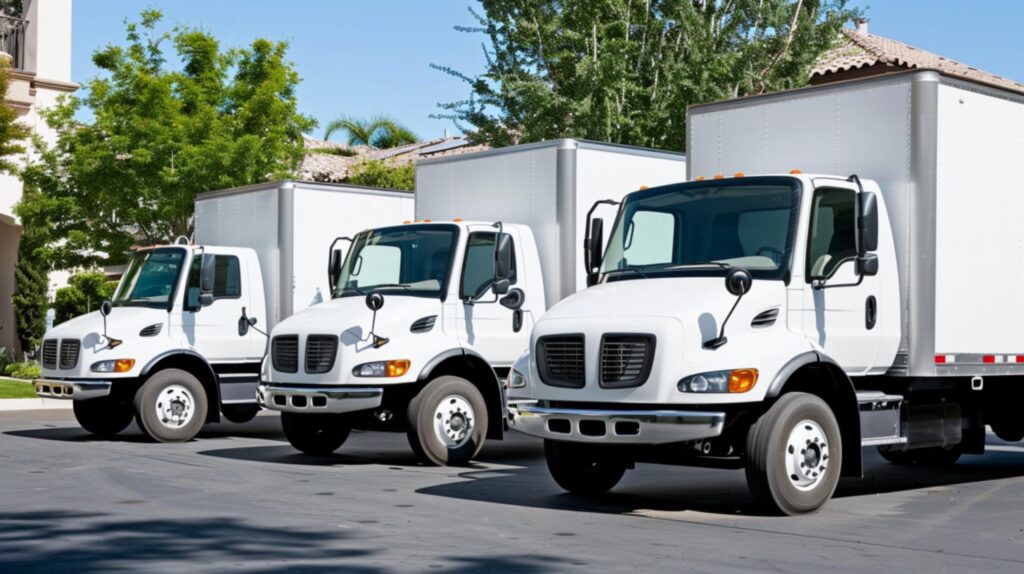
x,y
583,468
315,433
447,422
103,416
936,456
240,413
171,406
794,455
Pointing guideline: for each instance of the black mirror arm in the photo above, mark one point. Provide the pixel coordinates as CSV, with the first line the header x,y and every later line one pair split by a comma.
x,y
252,323
721,338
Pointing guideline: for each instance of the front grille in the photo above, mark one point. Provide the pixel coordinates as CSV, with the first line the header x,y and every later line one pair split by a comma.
x,y
284,353
560,360
69,349
626,360
320,352
50,353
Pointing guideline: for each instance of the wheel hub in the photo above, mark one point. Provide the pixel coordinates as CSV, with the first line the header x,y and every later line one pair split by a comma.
x,y
806,455
175,406
453,421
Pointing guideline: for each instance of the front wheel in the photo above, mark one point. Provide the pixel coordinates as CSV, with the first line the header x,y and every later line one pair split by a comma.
x,y
171,406
794,455
447,422
315,433
582,468
103,416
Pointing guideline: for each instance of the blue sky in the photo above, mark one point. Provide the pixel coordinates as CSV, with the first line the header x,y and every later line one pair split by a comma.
x,y
364,57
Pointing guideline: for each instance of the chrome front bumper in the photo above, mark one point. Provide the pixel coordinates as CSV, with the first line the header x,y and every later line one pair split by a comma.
x,y
614,426
71,390
309,399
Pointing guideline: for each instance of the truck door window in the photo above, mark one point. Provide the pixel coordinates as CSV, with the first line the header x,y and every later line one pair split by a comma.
x,y
832,238
650,237
478,267
227,282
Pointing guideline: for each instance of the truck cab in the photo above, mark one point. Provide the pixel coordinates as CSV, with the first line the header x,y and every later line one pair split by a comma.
x,y
728,321
170,349
424,322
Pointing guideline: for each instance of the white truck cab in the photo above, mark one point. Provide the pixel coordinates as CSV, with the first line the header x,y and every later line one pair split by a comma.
x,y
182,340
426,318
781,322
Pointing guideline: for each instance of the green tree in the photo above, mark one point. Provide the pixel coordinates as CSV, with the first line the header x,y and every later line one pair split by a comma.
x,y
379,132
160,136
625,70
12,132
377,173
84,293
31,278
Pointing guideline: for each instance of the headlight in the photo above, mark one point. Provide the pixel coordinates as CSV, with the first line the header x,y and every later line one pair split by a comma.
x,y
516,380
395,368
734,381
115,366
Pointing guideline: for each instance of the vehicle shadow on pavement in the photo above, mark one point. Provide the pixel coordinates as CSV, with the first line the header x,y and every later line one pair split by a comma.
x,y
267,428
724,492
87,542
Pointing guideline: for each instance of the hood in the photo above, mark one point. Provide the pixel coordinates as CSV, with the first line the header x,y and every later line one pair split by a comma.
x,y
350,317
122,323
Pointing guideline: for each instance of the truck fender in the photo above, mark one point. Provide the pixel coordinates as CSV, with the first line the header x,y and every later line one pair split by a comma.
x,y
196,364
803,373
469,364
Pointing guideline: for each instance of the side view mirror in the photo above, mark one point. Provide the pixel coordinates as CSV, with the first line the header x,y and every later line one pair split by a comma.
x,y
502,259
207,276
334,268
500,286
374,301
592,249
105,308
514,300
738,282
867,265
867,223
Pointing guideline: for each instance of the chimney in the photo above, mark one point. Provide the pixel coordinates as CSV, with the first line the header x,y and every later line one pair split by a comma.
x,y
445,133
862,26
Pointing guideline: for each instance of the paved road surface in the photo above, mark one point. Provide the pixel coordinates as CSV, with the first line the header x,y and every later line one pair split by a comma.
x,y
240,498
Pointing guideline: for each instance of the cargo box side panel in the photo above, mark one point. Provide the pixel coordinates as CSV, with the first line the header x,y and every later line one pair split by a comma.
x,y
323,214
514,187
979,231
604,174
246,219
862,129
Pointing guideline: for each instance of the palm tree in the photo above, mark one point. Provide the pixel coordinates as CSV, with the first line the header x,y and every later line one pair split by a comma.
x,y
380,132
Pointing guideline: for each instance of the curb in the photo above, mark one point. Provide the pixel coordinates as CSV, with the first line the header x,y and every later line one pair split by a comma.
x,y
32,404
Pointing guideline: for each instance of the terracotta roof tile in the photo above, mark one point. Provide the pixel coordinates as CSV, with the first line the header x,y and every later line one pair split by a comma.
x,y
330,167
861,50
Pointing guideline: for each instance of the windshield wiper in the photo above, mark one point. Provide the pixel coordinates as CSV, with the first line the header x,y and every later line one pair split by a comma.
x,y
701,264
628,270
359,291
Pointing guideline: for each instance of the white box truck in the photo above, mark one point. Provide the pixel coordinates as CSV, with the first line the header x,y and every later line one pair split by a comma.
x,y
182,340
427,317
873,296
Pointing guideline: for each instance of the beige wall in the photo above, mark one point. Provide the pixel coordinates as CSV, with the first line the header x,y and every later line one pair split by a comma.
x,y
9,236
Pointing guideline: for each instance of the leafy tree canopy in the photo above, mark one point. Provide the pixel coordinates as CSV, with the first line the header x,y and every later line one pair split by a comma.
x,y
160,134
84,293
625,70
377,173
380,132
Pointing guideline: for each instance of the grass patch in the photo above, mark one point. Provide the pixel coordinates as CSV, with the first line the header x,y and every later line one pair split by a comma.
x,y
10,389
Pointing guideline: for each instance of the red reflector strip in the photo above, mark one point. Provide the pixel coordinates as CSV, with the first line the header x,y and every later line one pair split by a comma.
x,y
1020,359
988,359
940,359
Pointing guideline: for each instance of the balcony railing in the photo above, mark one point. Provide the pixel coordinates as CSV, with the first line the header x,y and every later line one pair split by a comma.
x,y
12,40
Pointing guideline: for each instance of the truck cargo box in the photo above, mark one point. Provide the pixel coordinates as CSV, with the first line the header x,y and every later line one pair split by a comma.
x,y
291,225
549,186
949,157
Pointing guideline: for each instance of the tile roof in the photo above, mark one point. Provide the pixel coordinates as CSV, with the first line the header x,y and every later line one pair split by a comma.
x,y
860,49
321,165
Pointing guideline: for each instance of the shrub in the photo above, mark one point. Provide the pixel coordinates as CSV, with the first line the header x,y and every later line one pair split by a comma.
x,y
377,173
23,370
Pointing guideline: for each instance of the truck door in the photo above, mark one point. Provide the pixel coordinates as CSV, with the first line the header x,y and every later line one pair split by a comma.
x,y
213,330
487,326
842,317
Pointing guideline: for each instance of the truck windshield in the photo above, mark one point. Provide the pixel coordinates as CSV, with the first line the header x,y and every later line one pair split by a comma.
x,y
150,278
704,229
410,259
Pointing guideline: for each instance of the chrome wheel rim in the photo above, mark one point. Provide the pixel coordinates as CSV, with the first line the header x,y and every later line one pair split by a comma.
x,y
175,406
806,456
454,421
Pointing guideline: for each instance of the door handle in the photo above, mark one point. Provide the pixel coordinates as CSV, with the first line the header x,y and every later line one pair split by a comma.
x,y
517,320
870,312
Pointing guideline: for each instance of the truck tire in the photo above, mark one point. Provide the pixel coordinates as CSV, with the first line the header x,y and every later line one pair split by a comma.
x,y
103,416
447,422
1010,431
935,456
171,406
794,455
315,433
240,413
581,468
